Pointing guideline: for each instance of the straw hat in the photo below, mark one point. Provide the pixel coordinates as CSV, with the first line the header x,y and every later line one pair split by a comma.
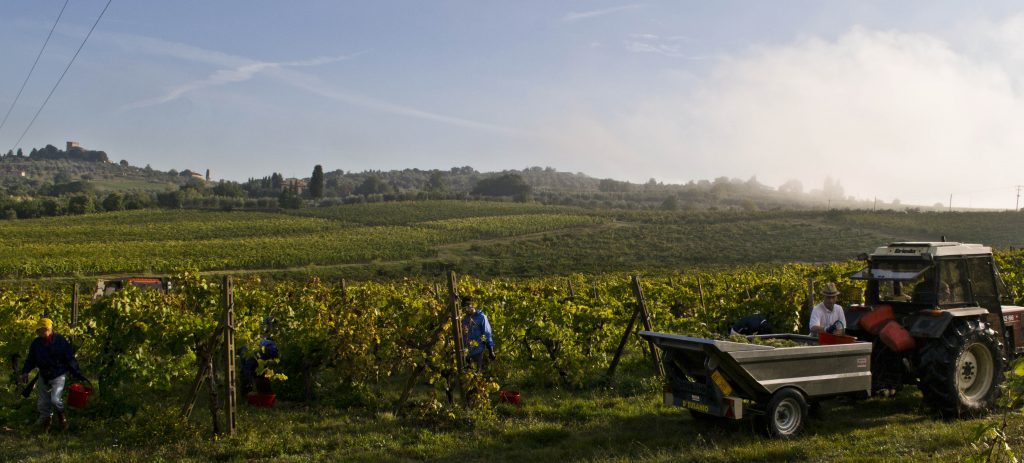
x,y
829,289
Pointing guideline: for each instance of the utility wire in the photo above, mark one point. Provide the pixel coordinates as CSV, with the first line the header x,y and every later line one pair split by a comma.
x,y
86,39
34,65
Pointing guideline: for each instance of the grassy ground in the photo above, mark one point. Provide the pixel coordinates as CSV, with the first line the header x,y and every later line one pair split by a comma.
x,y
595,425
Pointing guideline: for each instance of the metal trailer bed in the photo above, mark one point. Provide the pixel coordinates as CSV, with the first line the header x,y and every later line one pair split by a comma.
x,y
727,379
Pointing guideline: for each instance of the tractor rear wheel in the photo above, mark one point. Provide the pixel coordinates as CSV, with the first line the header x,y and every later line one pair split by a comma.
x,y
960,372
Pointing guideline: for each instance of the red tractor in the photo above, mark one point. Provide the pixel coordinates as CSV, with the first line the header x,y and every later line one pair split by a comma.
x,y
935,317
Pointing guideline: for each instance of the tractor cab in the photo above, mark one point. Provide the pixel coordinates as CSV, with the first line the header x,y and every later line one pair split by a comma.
x,y
920,275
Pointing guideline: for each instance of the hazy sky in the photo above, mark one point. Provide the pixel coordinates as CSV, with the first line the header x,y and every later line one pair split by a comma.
x,y
913,100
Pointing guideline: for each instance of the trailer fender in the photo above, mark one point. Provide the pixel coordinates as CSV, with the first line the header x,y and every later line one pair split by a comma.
x,y
932,323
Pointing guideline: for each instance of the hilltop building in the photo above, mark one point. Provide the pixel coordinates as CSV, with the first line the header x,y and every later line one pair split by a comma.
x,y
299,184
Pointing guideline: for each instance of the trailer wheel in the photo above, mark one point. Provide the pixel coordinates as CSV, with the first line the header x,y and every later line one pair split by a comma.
x,y
786,414
961,371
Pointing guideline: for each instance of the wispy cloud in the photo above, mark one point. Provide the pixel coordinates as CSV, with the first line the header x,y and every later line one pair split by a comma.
x,y
228,76
316,86
157,47
672,47
579,16
242,69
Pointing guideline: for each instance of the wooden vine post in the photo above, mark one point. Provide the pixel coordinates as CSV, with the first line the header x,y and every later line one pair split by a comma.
x,y
207,368
810,297
74,306
810,293
214,403
453,311
644,315
74,313
230,383
622,344
700,294
205,362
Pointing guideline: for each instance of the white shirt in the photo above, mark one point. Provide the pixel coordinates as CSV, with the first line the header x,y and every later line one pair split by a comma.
x,y
820,316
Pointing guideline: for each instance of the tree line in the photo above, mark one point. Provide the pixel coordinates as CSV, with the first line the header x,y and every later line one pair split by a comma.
x,y
57,192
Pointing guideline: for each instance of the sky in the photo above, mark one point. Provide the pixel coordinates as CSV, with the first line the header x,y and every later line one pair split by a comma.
x,y
919,101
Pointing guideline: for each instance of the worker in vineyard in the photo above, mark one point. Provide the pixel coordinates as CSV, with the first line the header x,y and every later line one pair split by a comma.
x,y
53,356
751,324
476,334
828,316
266,350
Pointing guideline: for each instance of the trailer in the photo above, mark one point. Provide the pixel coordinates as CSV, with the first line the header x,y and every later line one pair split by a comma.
x,y
775,386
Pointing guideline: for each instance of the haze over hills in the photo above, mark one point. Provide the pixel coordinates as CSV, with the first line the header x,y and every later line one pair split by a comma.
x,y
49,173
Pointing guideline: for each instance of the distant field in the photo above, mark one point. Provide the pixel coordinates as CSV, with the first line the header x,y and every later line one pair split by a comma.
x,y
1001,229
159,241
405,213
482,238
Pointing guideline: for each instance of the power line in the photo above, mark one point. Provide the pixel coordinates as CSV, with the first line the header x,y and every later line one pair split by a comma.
x,y
86,39
34,65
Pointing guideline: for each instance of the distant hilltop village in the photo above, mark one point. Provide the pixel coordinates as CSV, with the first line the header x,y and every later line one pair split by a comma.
x,y
74,152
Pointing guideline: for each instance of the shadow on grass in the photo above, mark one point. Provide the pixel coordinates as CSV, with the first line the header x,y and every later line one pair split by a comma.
x,y
550,427
581,433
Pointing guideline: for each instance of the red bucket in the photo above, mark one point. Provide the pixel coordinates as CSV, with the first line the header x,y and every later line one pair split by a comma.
x,y
261,400
829,338
896,337
873,321
511,397
78,395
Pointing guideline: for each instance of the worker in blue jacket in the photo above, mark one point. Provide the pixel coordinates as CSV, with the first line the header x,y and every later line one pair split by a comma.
x,y
476,334
53,356
265,350
751,324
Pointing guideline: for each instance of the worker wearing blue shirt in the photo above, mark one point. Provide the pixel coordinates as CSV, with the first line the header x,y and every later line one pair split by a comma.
x,y
266,350
476,334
